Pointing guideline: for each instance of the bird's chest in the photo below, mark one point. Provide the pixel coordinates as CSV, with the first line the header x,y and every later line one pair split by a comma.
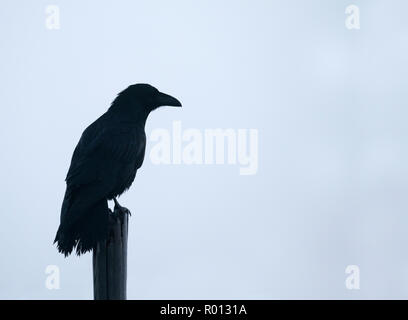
x,y
127,146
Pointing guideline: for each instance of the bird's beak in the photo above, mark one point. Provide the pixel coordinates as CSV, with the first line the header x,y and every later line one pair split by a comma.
x,y
167,100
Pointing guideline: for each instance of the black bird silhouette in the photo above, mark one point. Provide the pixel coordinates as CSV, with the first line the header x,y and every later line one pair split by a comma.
x,y
104,165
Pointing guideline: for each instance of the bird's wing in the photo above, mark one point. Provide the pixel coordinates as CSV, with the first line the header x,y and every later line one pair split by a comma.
x,y
97,160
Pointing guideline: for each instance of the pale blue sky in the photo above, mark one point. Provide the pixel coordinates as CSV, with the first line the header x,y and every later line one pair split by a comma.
x,y
330,106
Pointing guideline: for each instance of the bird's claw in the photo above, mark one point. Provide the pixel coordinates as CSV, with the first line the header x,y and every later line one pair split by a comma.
x,y
124,210
118,207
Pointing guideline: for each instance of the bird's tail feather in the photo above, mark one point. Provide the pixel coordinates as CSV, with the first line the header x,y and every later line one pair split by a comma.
x,y
83,235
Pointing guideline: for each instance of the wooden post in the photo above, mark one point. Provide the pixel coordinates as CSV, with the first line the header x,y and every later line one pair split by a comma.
x,y
110,259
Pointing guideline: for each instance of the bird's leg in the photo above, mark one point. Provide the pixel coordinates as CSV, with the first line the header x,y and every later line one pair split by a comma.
x,y
116,203
118,207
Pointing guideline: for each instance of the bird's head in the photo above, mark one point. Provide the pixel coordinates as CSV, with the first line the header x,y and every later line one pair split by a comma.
x,y
144,96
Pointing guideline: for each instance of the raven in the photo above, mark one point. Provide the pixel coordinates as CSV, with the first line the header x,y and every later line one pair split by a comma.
x,y
104,165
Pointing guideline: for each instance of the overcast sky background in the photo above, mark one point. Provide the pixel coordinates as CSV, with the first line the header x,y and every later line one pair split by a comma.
x,y
330,106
